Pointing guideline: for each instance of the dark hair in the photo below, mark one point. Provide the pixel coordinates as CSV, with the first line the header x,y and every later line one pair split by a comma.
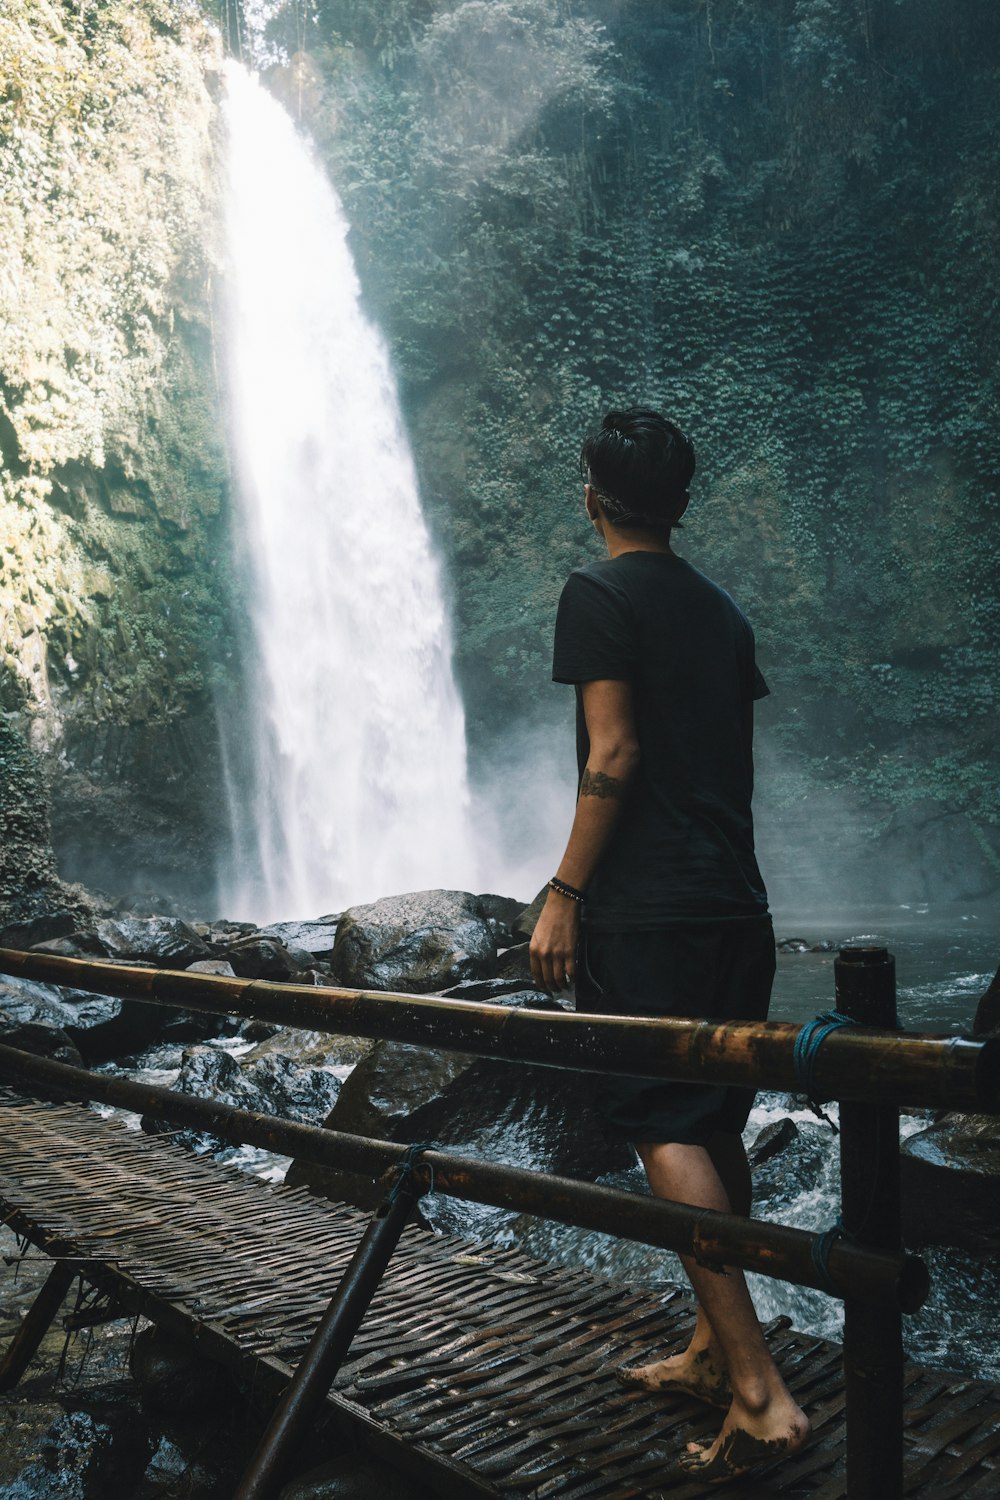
x,y
641,465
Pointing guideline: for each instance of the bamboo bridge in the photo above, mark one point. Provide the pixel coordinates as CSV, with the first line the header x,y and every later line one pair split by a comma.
x,y
482,1371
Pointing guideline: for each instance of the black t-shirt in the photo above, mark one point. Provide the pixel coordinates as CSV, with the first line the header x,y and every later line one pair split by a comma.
x,y
682,849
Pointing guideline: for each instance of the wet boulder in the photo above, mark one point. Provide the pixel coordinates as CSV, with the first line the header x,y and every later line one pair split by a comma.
x,y
515,964
52,1022
166,942
306,1049
418,942
531,1117
523,925
80,944
272,1084
258,957
950,1184
314,938
40,1038
501,913
772,1141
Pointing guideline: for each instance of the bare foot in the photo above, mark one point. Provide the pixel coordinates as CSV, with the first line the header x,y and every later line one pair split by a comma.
x,y
747,1441
702,1375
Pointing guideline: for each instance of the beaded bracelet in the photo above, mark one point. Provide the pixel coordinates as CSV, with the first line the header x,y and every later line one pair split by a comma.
x,y
555,884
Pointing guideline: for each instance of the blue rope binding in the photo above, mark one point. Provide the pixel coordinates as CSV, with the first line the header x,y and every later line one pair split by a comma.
x,y
821,1247
807,1047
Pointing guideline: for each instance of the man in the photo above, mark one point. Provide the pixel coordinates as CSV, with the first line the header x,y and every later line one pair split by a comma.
x,y
660,865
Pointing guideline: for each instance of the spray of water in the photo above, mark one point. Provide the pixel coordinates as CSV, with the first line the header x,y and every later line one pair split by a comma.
x,y
351,782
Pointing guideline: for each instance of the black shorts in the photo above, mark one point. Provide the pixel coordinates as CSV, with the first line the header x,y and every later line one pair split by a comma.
x,y
706,971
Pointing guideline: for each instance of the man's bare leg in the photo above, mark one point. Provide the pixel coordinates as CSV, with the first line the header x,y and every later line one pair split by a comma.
x,y
701,1370
763,1421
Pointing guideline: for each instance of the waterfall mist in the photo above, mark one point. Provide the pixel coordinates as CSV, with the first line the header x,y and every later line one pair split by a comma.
x,y
349,781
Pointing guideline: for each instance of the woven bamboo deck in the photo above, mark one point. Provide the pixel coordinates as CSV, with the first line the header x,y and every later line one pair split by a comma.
x,y
482,1371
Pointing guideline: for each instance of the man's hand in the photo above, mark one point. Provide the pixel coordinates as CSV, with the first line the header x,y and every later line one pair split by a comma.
x,y
553,944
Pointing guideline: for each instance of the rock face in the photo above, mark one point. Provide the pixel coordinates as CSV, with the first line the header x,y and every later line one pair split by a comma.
x,y
114,470
419,942
534,1117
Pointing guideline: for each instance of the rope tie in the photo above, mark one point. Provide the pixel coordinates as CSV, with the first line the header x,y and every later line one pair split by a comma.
x,y
820,1252
807,1048
406,1168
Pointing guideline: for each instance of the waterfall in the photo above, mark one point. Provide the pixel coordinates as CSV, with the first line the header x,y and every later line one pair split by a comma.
x,y
350,782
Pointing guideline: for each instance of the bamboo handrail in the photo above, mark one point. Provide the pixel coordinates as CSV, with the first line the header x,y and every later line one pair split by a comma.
x,y
906,1068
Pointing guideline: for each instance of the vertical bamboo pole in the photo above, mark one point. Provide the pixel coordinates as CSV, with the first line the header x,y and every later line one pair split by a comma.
x,y
307,1389
869,1170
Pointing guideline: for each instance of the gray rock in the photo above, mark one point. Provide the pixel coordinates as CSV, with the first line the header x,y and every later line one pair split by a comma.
x,y
165,941
771,1141
212,966
931,853
272,1084
315,938
501,913
77,945
523,925
259,957
40,1038
498,992
514,963
419,942
307,1049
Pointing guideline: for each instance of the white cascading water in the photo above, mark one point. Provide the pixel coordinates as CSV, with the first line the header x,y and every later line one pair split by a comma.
x,y
352,781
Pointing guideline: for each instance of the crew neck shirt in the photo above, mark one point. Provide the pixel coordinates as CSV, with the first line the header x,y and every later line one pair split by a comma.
x,y
682,849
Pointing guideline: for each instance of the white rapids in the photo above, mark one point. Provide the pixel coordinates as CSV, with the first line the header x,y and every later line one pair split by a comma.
x,y
351,782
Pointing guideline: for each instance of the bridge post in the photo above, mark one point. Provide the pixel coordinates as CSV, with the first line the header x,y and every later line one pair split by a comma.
x,y
869,1171
325,1353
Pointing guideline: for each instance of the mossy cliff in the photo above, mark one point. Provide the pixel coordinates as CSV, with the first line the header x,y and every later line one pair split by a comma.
x,y
777,218
114,584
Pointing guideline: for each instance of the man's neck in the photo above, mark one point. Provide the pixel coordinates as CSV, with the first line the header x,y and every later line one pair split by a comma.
x,y
635,540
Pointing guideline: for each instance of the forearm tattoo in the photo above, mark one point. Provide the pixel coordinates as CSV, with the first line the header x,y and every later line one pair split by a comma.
x,y
596,784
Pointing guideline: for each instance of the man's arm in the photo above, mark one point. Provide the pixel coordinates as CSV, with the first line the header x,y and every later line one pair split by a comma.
x,y
614,755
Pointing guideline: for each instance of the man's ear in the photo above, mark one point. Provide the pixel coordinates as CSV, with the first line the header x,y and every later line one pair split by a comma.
x,y
681,507
593,505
